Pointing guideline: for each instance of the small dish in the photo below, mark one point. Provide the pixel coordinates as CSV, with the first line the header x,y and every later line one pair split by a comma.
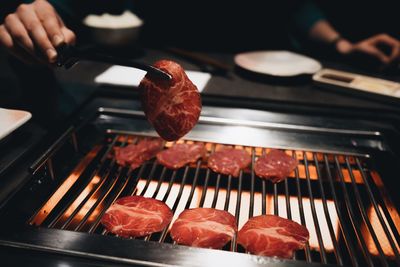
x,y
11,119
277,63
114,30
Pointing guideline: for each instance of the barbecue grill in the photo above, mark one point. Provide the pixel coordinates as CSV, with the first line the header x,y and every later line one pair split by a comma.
x,y
341,190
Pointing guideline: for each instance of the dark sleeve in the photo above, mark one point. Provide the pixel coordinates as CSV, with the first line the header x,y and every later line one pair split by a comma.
x,y
306,16
7,7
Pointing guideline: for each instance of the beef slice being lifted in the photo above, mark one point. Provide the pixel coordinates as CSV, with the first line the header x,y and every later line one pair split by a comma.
x,y
171,106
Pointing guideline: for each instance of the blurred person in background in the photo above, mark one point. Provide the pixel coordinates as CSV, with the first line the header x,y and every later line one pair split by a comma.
x,y
364,32
33,31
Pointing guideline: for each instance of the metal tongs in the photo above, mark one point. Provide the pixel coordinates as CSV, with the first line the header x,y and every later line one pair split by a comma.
x,y
69,55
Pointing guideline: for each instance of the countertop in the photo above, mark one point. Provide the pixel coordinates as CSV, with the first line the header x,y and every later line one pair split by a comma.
x,y
241,88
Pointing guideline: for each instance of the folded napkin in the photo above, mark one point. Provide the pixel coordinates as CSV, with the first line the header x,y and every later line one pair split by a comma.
x,y
126,76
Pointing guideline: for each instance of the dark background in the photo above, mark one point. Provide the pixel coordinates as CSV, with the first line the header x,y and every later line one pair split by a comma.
x,y
238,25
213,26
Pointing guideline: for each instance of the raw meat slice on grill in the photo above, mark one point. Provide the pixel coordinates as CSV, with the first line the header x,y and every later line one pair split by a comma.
x,y
172,107
204,227
135,216
134,155
229,161
181,154
270,235
275,166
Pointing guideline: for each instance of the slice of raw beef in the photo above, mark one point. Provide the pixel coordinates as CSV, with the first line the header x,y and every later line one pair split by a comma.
x,y
275,166
181,154
229,161
134,155
270,235
172,107
135,216
204,227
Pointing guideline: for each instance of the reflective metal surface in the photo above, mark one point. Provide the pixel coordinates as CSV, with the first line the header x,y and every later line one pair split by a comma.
x,y
336,192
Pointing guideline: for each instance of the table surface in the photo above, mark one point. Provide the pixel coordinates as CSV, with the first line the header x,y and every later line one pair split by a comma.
x,y
244,85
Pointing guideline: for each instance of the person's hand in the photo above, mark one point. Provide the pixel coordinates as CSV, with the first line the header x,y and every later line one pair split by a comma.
x,y
382,47
33,32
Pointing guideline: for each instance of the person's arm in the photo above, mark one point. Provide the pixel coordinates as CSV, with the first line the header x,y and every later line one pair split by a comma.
x,y
322,31
33,32
311,22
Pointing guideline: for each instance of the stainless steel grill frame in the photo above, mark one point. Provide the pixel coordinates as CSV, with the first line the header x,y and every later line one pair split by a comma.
x,y
351,198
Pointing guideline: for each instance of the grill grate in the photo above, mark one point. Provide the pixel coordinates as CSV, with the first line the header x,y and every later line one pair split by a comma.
x,y
337,197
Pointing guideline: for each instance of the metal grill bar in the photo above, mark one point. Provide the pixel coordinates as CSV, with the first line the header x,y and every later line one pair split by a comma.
x,y
90,195
169,186
314,213
164,170
377,210
147,238
288,207
342,225
134,189
327,216
228,193
194,183
130,192
383,202
178,198
196,176
264,197
101,167
237,210
301,208
203,193
94,190
99,200
251,208
352,215
287,198
215,199
113,198
264,193
276,210
152,171
364,214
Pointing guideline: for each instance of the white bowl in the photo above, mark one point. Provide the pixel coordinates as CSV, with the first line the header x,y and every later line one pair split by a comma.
x,y
114,30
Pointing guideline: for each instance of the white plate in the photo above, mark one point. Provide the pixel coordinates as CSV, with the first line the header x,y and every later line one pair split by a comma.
x,y
11,119
131,77
277,63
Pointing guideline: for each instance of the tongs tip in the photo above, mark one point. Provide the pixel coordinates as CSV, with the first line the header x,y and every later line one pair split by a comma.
x,y
160,73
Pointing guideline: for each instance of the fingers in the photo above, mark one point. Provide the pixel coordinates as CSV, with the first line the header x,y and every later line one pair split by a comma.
x,y
18,32
7,42
393,43
69,36
5,38
51,22
375,52
37,32
37,29
53,30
